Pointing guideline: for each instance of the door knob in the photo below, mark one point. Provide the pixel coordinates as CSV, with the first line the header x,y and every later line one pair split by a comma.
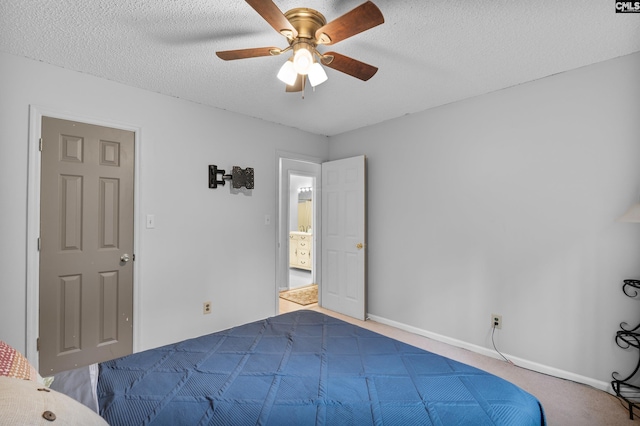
x,y
359,246
124,258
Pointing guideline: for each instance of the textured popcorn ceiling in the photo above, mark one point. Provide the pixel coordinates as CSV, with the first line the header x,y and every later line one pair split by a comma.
x,y
429,53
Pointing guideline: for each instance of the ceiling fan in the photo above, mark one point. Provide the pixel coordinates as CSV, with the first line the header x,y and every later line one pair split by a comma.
x,y
305,29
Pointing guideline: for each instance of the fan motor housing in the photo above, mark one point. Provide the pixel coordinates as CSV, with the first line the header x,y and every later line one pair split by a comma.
x,y
306,21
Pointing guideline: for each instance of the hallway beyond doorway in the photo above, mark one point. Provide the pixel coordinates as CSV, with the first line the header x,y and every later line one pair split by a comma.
x,y
299,278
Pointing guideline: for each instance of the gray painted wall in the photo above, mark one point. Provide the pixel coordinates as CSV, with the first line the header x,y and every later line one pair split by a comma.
x,y
507,203
207,244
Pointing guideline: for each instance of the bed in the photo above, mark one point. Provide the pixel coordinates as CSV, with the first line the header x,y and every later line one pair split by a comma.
x,y
304,368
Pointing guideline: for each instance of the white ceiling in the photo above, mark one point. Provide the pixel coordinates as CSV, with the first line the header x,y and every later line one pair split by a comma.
x,y
429,53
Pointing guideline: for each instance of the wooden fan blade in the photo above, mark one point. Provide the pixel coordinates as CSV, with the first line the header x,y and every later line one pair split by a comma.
x,y
362,18
298,85
274,16
229,55
350,66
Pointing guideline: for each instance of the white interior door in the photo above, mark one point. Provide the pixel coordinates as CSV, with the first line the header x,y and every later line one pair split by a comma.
x,y
343,286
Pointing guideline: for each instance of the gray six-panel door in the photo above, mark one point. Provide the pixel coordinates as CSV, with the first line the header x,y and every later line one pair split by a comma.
x,y
86,244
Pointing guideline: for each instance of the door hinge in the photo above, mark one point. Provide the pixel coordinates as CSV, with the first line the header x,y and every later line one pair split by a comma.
x,y
40,145
38,243
38,344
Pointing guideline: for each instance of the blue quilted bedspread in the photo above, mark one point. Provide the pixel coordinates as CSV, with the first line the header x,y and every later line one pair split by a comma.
x,y
305,368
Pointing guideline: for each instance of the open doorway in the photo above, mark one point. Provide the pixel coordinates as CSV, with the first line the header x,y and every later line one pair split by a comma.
x,y
298,264
338,248
300,231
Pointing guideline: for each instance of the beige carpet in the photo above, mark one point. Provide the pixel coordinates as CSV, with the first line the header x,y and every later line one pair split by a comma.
x,y
302,296
565,403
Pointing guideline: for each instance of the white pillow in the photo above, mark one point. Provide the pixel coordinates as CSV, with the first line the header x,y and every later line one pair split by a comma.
x,y
27,402
80,384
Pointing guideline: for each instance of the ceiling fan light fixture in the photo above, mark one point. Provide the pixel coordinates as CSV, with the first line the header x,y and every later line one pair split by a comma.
x,y
302,60
305,29
287,73
317,75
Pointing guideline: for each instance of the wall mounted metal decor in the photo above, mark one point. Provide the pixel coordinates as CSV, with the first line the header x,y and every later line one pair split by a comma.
x,y
239,177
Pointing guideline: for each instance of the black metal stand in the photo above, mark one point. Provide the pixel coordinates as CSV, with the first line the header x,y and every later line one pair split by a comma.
x,y
627,338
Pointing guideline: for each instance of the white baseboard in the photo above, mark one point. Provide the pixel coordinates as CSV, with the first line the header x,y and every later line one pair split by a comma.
x,y
524,363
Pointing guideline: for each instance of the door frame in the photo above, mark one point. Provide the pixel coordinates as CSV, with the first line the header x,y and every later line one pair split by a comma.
x,y
282,222
33,220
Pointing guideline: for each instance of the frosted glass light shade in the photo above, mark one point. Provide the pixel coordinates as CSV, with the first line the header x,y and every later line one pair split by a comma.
x,y
317,75
287,74
302,61
632,215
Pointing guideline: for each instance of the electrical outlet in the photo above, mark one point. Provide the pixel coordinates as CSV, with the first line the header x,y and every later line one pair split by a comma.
x,y
496,321
206,308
